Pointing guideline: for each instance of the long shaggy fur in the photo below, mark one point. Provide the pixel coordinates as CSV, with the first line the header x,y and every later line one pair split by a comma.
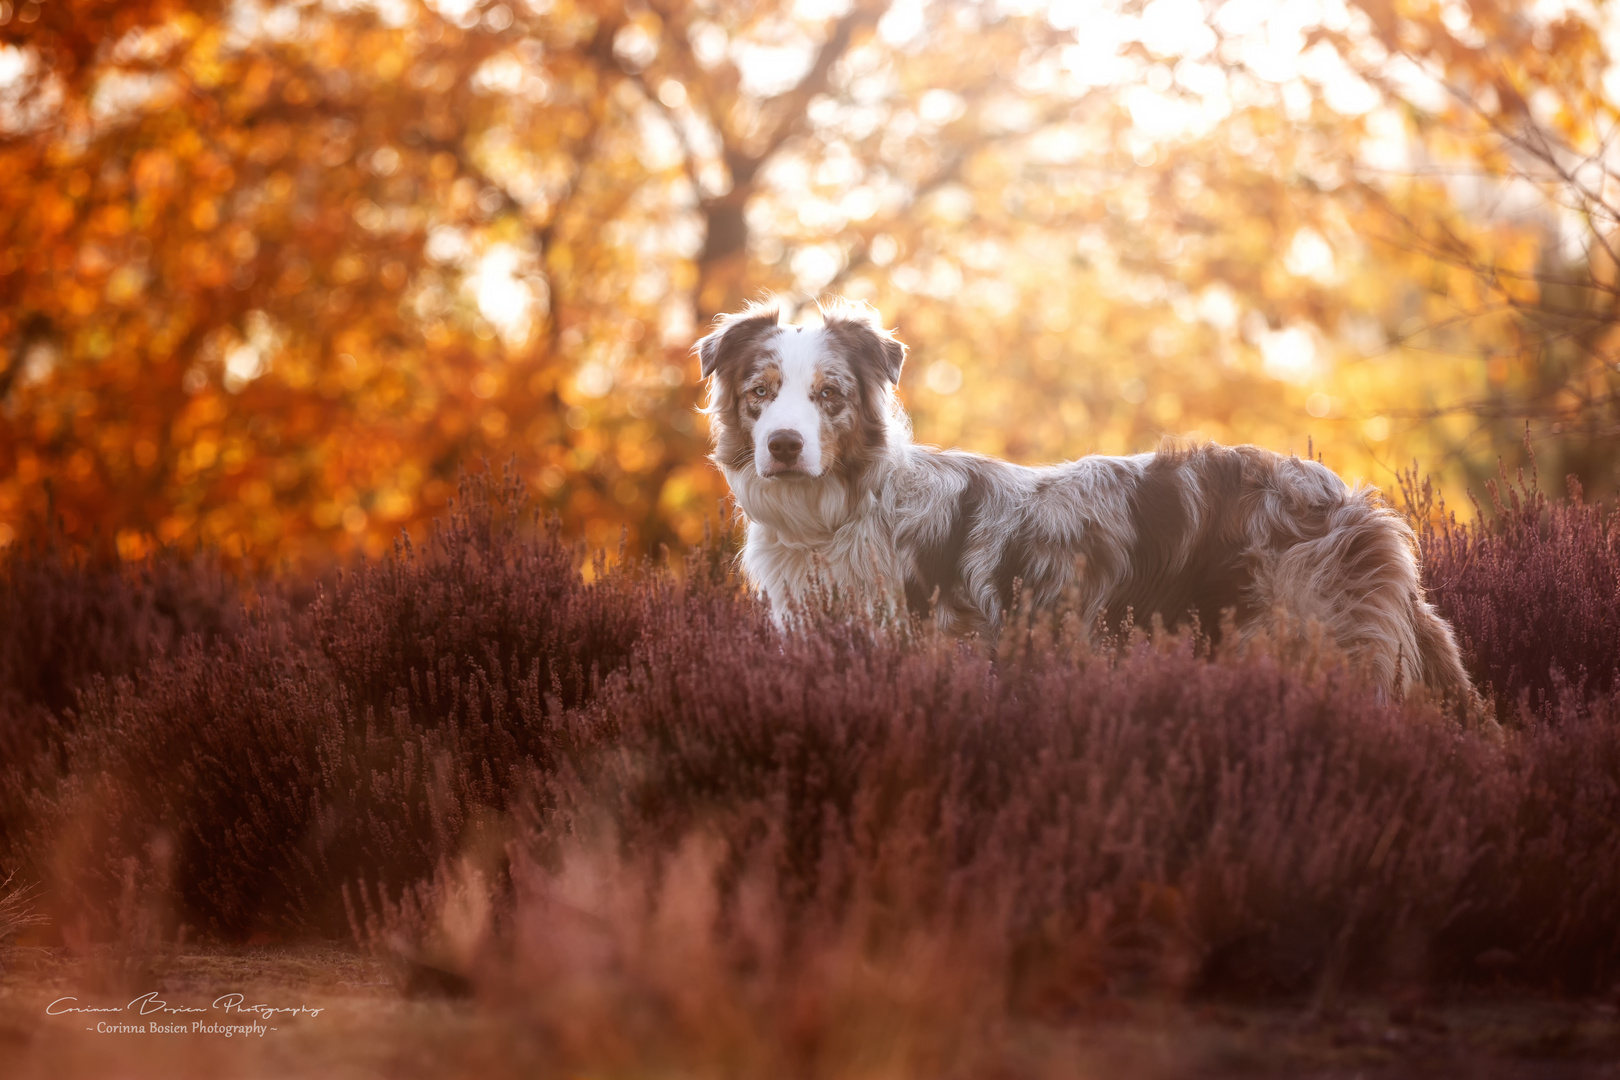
x,y
1239,534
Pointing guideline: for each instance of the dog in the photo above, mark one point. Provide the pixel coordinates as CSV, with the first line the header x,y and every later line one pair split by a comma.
x,y
819,457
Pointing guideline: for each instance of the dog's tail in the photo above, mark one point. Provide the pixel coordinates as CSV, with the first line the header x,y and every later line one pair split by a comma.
x,y
1440,661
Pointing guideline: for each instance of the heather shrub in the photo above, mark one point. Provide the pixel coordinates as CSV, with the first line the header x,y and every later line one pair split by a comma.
x,y
67,619
1533,592
1139,818
626,792
368,734
814,856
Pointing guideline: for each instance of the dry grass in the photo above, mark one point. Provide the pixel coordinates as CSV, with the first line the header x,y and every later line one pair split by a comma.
x,y
18,909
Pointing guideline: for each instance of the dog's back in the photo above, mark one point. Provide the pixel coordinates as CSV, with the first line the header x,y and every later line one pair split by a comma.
x,y
1227,535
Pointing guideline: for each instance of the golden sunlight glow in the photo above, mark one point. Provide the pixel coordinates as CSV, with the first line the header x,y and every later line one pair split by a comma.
x,y
279,272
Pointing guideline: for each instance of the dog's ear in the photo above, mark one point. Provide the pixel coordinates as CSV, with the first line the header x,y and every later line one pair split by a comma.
x,y
859,330
732,334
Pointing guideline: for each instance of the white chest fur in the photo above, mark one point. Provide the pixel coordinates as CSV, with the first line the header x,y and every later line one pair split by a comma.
x,y
815,535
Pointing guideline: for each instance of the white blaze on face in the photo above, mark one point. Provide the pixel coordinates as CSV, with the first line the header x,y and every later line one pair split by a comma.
x,y
793,412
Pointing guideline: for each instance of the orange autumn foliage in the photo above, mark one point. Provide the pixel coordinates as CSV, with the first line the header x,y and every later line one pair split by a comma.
x,y
271,276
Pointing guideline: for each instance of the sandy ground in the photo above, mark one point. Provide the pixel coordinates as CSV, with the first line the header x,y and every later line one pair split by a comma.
x,y
354,1018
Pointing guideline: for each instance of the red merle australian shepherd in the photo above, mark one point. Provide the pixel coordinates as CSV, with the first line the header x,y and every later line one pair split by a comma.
x,y
819,457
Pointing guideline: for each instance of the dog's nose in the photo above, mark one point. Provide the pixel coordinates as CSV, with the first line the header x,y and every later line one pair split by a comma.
x,y
785,446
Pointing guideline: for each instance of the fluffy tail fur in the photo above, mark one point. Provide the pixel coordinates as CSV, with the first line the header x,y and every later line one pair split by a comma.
x,y
1440,661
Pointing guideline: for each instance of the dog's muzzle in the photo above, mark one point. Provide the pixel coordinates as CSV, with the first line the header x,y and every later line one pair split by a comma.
x,y
785,448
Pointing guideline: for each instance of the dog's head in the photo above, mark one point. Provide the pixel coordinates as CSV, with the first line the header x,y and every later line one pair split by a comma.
x,y
794,402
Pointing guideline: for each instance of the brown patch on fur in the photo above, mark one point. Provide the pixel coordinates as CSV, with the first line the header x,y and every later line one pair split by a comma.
x,y
733,338
857,335
864,433
728,355
937,568
875,359
1191,556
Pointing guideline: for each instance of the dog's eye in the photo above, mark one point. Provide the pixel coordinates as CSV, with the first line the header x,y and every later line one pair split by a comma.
x,y
828,394
760,391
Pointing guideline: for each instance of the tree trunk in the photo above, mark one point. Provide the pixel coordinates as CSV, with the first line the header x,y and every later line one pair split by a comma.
x,y
723,265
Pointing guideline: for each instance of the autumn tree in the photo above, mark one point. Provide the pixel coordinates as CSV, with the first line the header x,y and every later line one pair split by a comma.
x,y
271,275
